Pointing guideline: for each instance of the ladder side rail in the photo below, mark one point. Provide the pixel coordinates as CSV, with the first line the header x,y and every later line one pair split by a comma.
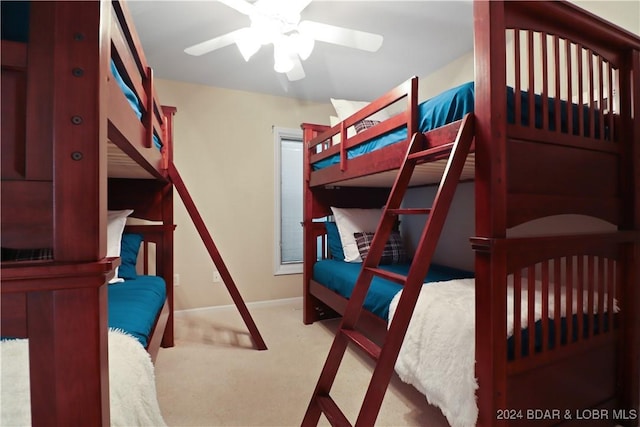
x,y
420,265
326,379
385,359
444,196
356,301
201,227
380,237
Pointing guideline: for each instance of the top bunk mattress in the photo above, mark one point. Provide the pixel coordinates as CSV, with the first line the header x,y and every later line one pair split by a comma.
x,y
453,104
444,108
133,100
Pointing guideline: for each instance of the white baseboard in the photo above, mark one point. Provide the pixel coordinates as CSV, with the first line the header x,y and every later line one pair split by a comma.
x,y
255,304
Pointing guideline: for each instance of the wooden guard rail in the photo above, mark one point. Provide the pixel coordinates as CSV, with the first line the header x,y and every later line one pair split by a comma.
x,y
324,145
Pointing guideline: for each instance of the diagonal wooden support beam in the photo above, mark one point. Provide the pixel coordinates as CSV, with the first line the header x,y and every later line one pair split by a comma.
x,y
178,183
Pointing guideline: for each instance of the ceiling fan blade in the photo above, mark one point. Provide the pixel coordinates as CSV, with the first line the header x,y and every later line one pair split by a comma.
x,y
299,5
214,44
341,36
281,6
297,72
239,5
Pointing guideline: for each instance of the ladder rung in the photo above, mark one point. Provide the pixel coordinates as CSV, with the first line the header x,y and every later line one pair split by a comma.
x,y
331,411
394,277
410,211
369,347
431,152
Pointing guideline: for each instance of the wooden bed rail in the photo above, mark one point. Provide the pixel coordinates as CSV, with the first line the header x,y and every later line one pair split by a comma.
x,y
323,144
157,259
57,306
587,301
570,20
152,234
131,57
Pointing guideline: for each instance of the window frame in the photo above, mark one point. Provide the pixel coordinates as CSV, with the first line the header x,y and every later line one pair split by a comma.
x,y
280,268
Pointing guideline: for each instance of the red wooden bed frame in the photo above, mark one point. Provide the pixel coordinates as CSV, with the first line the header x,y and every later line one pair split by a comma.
x,y
582,175
72,149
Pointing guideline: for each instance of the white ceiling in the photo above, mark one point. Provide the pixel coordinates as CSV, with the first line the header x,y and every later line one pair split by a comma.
x,y
419,38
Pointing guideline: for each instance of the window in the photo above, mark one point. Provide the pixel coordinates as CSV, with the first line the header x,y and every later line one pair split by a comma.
x,y
288,201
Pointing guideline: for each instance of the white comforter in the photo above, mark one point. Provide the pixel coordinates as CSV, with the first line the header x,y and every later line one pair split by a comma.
x,y
132,388
438,353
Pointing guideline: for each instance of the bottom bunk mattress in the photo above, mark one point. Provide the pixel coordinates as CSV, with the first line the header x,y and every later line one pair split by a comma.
x,y
134,305
340,277
438,353
132,390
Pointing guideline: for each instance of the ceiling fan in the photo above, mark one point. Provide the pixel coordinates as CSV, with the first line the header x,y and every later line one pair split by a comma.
x,y
278,22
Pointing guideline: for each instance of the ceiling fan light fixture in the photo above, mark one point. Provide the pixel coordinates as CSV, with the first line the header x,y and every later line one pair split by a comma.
x,y
282,58
302,44
278,22
247,43
283,65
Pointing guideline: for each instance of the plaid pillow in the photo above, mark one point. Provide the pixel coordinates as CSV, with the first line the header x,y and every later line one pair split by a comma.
x,y
10,254
365,124
393,252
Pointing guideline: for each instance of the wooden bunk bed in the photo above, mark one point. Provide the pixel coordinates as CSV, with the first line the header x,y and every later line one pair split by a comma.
x,y
83,133
556,90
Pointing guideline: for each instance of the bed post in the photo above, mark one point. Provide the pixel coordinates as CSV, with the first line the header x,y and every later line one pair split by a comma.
x,y
629,372
490,268
167,218
67,303
309,241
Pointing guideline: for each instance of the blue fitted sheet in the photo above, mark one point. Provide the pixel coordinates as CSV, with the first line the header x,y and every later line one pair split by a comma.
x,y
133,99
340,277
452,105
564,335
134,305
446,107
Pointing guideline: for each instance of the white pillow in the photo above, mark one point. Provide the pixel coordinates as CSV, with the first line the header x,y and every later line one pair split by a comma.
x,y
345,108
115,227
354,220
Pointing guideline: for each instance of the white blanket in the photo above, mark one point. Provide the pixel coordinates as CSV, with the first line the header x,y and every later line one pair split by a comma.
x,y
438,353
132,388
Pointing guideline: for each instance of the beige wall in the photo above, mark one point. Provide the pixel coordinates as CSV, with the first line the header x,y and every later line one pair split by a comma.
x,y
224,150
624,13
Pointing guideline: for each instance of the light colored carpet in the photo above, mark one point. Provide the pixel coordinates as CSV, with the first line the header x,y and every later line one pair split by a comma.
x,y
213,376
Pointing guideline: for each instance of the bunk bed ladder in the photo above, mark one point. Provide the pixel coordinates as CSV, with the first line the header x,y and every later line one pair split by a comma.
x,y
385,356
178,183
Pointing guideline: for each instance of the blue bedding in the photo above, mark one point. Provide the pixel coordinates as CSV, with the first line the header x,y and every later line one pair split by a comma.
x,y
340,277
133,100
452,105
564,335
446,107
134,305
